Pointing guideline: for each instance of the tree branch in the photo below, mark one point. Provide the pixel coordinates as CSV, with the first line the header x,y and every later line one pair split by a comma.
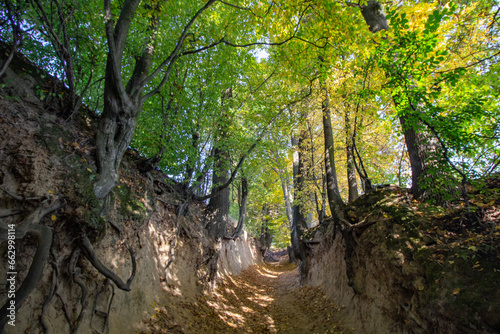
x,y
14,19
114,56
244,156
173,55
239,7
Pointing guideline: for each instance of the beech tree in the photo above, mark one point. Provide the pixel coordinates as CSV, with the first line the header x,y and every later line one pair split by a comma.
x,y
218,207
299,224
417,80
185,86
123,102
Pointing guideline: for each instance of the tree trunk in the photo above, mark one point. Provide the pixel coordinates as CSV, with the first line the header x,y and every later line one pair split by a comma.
x,y
286,196
297,215
373,17
114,133
332,187
265,239
351,170
422,149
218,207
320,209
366,183
283,175
121,106
417,155
243,208
191,165
14,17
299,220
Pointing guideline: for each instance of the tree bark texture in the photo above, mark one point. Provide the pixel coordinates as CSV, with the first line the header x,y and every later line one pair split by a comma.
x,y
122,104
114,133
266,238
416,153
243,208
373,17
284,179
332,187
351,169
299,220
218,206
422,149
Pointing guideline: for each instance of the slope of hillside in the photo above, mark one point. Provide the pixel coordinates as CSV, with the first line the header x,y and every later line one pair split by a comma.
x,y
414,267
75,258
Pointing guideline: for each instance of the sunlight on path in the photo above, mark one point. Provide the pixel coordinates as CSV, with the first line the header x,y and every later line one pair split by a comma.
x,y
263,299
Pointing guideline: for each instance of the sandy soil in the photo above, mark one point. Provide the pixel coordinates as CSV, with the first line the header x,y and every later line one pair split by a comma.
x,y
264,299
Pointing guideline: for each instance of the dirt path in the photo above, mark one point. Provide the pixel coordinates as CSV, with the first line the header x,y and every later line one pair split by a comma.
x,y
263,299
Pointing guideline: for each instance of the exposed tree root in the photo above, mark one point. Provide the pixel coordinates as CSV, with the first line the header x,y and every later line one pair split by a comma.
x,y
212,267
181,210
52,291
43,236
362,224
66,313
116,227
89,253
8,212
20,198
75,272
104,314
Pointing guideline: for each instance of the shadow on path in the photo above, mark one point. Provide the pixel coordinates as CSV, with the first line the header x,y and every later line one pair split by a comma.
x,y
265,298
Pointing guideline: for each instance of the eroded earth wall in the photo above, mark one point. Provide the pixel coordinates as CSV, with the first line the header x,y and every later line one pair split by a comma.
x,y
44,158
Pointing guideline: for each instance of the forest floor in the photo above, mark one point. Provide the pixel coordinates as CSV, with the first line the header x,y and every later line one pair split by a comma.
x,y
265,298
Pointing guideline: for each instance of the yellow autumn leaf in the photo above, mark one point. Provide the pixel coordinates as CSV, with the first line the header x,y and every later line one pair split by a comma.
x,y
90,170
53,217
51,192
455,291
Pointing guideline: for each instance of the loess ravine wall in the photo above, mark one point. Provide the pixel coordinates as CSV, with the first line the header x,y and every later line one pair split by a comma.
x,y
45,157
407,272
